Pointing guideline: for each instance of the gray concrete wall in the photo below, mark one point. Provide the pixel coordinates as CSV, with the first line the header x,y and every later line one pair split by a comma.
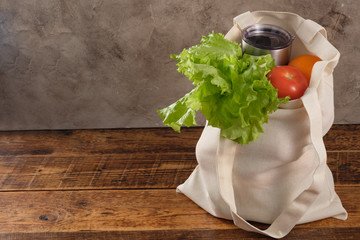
x,y
68,64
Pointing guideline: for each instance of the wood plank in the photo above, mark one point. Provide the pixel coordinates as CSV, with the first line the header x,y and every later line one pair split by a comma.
x,y
345,167
127,171
129,211
205,234
24,166
150,140
343,137
120,171
102,210
97,142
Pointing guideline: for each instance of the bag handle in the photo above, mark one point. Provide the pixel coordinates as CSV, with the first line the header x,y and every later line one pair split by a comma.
x,y
308,29
290,216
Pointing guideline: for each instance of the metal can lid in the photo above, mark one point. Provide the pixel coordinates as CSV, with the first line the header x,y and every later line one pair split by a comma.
x,y
267,36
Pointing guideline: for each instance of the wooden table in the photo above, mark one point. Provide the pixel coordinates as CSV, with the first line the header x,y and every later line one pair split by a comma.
x,y
120,184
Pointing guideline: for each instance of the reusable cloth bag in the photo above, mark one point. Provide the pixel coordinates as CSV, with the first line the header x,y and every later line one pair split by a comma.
x,y
282,178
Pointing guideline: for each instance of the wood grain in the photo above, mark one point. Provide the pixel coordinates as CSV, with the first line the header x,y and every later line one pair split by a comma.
x,y
128,210
123,171
128,158
129,141
97,142
343,138
120,171
120,184
204,234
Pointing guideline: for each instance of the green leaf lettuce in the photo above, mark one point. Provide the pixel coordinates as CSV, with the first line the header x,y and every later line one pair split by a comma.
x,y
231,89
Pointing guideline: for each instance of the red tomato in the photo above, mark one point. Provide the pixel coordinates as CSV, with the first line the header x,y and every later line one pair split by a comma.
x,y
289,81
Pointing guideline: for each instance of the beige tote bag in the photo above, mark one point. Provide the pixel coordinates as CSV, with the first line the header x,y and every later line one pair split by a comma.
x,y
281,179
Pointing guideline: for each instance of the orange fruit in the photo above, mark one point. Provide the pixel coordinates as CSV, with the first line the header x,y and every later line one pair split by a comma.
x,y
305,64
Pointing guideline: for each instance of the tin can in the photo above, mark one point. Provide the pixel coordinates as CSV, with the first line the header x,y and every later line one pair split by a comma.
x,y
262,39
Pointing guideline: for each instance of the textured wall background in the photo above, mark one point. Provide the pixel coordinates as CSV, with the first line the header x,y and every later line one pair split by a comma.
x,y
105,63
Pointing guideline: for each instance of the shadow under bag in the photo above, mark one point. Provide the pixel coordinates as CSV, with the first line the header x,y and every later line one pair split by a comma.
x,y
281,179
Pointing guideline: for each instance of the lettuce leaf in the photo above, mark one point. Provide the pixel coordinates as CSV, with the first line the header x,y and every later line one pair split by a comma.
x,y
231,89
